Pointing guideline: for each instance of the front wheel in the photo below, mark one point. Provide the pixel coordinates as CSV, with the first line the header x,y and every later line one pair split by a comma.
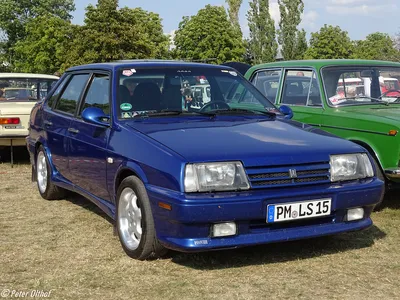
x,y
134,221
379,175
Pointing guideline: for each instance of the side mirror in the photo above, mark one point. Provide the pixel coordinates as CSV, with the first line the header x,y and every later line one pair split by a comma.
x,y
95,116
287,111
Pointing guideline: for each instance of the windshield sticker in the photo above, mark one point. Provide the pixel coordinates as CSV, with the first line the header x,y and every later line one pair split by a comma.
x,y
335,100
126,115
233,73
127,73
126,106
224,71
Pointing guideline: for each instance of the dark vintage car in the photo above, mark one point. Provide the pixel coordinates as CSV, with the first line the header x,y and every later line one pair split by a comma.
x,y
235,172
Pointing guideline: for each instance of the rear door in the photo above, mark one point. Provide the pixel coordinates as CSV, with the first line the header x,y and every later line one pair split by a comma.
x,y
57,117
88,142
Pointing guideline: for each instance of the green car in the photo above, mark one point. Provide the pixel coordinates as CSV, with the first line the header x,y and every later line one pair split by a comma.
x,y
358,100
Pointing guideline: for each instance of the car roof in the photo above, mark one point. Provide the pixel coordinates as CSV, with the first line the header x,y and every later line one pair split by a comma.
x,y
137,63
27,75
319,63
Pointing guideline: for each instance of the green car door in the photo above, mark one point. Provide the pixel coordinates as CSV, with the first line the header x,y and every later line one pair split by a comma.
x,y
295,87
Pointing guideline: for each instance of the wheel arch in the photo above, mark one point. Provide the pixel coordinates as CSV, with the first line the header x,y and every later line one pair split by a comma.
x,y
126,171
371,151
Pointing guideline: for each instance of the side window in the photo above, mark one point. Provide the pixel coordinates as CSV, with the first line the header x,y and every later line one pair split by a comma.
x,y
267,82
70,97
301,88
98,94
57,92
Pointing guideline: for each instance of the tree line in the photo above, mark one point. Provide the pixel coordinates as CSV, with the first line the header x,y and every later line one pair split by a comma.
x,y
38,36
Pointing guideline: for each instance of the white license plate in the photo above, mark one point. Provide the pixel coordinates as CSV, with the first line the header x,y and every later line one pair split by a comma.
x,y
13,127
298,210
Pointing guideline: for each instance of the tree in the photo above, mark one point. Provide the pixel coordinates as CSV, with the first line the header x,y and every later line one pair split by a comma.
x,y
46,42
233,12
329,43
376,46
293,41
208,36
397,41
112,34
262,42
15,14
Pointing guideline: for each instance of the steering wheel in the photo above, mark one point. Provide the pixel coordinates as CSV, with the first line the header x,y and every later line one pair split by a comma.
x,y
215,105
389,91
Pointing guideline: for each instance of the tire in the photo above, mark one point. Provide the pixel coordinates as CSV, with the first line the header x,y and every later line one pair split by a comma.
x,y
46,188
379,175
134,221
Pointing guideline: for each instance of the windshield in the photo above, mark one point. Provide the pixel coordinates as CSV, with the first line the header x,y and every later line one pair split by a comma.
x,y
186,90
24,89
361,85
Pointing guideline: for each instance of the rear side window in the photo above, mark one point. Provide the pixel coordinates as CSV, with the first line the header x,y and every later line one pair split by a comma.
x,y
70,97
98,94
57,93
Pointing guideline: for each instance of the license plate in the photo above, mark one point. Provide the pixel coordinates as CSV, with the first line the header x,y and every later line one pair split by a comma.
x,y
298,210
12,127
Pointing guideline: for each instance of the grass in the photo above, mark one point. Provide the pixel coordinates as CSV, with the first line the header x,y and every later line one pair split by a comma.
x,y
68,247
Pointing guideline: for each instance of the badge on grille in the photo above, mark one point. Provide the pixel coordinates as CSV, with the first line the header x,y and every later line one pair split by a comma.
x,y
292,173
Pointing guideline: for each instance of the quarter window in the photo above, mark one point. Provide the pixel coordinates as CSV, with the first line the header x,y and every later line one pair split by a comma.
x,y
98,94
301,88
70,97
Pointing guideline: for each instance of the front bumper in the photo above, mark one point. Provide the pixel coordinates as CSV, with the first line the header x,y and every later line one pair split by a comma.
x,y
393,173
187,226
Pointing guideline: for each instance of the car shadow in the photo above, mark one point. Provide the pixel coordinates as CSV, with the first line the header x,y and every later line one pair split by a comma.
x,y
391,200
20,155
85,203
279,252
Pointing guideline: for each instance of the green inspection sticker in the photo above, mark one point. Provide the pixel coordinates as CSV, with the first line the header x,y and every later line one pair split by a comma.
x,y
126,106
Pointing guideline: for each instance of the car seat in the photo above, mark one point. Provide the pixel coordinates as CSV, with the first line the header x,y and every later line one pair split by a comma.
x,y
146,96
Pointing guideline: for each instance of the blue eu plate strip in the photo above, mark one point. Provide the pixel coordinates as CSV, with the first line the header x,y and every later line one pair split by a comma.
x,y
271,213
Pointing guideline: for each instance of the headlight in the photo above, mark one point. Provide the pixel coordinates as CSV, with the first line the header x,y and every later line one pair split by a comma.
x,y
207,177
350,167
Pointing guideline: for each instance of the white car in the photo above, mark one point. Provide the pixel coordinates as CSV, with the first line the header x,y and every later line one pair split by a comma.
x,y
18,94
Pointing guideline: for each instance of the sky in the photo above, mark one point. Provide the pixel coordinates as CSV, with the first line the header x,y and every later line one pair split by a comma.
x,y
358,17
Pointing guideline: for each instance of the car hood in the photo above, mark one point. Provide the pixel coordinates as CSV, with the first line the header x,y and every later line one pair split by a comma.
x,y
392,111
253,142
16,108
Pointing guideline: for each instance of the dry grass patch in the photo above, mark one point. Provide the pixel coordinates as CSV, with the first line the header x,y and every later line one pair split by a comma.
x,y
68,246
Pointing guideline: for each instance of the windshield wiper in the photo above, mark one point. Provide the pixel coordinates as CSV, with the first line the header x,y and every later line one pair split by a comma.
x,y
380,101
243,111
167,112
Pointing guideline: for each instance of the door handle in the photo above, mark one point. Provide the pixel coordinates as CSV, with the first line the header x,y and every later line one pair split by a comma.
x,y
73,130
48,123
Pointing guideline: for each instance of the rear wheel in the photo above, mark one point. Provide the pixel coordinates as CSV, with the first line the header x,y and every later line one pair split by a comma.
x,y
47,189
134,221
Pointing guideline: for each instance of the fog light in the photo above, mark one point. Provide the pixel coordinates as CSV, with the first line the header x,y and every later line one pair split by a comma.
x,y
224,229
355,214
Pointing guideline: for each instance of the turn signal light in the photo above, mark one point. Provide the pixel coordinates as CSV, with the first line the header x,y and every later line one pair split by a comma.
x,y
165,205
392,132
6,121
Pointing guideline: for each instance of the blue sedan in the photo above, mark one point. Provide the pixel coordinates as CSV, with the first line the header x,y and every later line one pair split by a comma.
x,y
192,157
